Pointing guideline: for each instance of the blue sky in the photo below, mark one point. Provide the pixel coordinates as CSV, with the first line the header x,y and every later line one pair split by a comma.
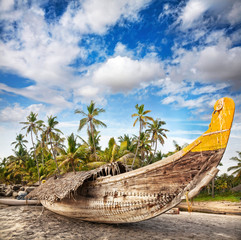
x,y
176,57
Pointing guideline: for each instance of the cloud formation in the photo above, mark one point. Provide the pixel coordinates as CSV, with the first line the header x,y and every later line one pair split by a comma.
x,y
123,74
51,52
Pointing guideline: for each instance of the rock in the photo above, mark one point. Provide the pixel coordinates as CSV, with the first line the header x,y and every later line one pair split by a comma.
x,y
29,189
16,187
36,184
9,193
15,194
22,189
21,195
9,187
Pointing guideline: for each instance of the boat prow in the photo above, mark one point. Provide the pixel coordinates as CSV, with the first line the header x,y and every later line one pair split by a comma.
x,y
110,195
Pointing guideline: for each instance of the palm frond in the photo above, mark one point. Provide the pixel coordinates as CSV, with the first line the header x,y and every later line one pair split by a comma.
x,y
77,111
98,123
82,123
135,122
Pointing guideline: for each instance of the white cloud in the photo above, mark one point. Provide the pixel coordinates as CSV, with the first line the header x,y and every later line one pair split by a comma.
x,y
180,101
169,86
42,94
234,16
222,11
192,12
87,93
122,74
216,63
17,113
220,63
6,5
96,16
43,51
209,89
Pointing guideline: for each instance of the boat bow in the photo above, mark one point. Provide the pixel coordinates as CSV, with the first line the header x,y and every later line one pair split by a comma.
x,y
145,192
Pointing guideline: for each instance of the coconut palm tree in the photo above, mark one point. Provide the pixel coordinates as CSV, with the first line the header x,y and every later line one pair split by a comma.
x,y
20,141
126,142
90,142
73,154
50,133
143,119
237,167
144,145
90,120
155,128
33,126
16,165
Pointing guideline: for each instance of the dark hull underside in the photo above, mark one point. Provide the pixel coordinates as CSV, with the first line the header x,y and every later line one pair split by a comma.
x,y
133,197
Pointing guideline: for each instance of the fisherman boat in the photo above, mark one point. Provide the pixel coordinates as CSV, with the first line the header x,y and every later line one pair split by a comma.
x,y
109,194
15,202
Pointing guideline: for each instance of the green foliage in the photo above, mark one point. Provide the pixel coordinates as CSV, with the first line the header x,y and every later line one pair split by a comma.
x,y
158,134
20,141
143,119
237,168
89,118
48,152
225,196
73,156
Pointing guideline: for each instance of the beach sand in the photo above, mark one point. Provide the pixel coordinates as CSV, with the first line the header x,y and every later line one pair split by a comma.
x,y
29,222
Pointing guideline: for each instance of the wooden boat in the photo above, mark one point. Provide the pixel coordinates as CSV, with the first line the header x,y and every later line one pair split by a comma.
x,y
111,195
15,202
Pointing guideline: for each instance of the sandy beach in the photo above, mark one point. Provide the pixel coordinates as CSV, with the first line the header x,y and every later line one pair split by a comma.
x,y
29,222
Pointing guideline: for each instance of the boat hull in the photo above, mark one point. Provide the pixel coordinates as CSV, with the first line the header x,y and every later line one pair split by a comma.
x,y
132,198
152,190
15,202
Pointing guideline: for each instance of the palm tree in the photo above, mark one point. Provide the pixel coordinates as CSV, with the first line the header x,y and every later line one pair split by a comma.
x,y
73,154
237,167
50,133
177,146
41,147
90,142
144,145
16,165
33,126
142,118
155,128
90,119
126,142
19,143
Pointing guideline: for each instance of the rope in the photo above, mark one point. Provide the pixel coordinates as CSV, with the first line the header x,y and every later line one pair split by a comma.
x,y
189,204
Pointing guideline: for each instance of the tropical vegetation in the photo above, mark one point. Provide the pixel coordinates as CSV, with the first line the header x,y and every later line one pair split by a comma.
x,y
50,153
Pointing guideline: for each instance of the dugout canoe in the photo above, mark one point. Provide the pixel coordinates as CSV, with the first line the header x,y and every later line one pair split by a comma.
x,y
111,195
15,202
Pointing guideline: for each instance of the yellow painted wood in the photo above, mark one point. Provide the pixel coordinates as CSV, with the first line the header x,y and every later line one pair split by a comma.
x,y
217,135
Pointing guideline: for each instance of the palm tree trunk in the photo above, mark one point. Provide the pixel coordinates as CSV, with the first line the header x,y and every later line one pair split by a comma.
x,y
42,155
54,155
35,158
73,166
93,139
153,153
213,188
138,144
